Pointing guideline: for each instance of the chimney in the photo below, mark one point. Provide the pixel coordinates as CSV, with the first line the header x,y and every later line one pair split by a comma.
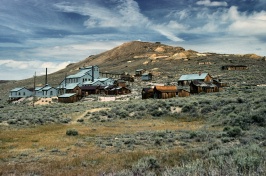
x,y
46,77
92,75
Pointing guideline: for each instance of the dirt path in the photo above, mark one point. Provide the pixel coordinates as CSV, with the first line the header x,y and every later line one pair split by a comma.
x,y
74,119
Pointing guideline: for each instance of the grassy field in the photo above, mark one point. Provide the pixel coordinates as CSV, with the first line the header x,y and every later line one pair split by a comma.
x,y
217,134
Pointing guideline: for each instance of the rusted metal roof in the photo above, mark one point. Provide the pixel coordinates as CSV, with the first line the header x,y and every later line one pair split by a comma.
x,y
166,88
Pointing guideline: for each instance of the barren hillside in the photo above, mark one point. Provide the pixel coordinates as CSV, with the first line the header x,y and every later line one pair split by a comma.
x,y
167,63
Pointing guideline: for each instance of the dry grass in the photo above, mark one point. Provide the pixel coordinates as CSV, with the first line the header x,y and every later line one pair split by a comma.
x,y
47,150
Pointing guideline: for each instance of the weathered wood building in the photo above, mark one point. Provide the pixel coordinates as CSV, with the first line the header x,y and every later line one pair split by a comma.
x,y
68,98
147,93
234,67
90,90
183,93
198,87
139,72
164,92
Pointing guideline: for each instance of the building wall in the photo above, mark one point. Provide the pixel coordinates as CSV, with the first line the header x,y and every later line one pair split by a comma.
x,y
20,94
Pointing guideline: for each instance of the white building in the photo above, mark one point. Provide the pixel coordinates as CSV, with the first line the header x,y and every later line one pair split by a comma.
x,y
85,74
46,91
19,92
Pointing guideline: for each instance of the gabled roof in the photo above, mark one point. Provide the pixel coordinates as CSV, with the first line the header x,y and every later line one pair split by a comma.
x,y
71,86
79,74
38,88
17,89
193,77
166,88
47,87
67,95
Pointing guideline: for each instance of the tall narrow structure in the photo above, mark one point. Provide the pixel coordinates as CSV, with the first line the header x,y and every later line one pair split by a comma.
x,y
46,77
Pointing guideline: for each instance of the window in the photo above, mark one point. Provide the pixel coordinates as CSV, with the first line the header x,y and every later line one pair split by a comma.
x,y
19,93
24,93
51,92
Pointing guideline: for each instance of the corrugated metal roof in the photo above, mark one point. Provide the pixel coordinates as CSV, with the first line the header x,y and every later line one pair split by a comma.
x,y
38,88
79,74
47,87
166,88
71,86
67,95
193,77
16,89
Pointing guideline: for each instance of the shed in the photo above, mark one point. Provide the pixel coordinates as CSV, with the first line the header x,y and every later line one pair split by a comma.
x,y
147,93
234,67
68,98
186,79
146,77
164,92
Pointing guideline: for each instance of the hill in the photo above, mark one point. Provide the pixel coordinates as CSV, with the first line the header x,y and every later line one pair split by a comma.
x,y
162,60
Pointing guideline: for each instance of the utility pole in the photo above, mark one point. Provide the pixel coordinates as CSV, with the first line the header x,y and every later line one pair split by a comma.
x,y
34,93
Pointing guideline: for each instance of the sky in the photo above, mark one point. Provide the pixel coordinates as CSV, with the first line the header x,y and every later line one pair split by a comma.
x,y
39,34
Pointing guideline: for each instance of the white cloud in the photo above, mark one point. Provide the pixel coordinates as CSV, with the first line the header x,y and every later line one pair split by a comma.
x,y
24,65
246,24
125,14
212,3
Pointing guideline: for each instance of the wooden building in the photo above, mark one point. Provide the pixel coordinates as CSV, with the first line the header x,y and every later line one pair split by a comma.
x,y
89,90
127,77
187,79
20,92
116,90
183,93
198,87
219,83
234,67
139,72
164,92
68,98
147,93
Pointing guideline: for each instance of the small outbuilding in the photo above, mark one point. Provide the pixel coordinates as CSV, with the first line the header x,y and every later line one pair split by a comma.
x,y
146,77
68,98
164,92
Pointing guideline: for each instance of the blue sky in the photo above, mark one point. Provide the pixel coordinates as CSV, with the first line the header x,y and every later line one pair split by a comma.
x,y
35,34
